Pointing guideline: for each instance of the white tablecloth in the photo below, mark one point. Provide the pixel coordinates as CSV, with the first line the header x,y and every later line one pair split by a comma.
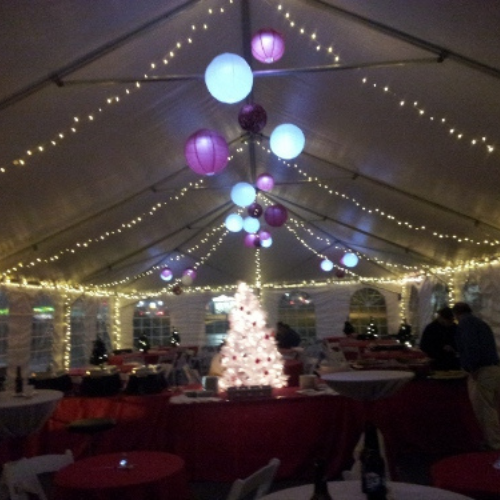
x,y
351,490
20,416
367,385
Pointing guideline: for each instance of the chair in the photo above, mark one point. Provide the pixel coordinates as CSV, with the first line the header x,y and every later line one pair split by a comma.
x,y
33,476
256,485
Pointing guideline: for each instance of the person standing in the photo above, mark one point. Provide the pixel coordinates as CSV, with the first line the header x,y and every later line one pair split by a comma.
x,y
438,341
479,357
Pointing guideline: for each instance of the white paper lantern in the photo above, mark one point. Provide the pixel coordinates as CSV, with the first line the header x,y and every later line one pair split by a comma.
x,y
243,194
266,243
234,223
326,265
229,78
287,141
187,280
350,259
251,224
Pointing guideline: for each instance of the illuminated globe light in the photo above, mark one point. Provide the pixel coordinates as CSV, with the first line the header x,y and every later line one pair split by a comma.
x,y
255,210
268,45
189,271
243,194
166,274
206,152
350,259
326,265
229,78
265,239
265,182
251,224
276,215
252,118
187,280
234,223
250,239
287,141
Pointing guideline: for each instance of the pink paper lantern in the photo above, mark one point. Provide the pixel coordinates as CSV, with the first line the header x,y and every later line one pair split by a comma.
x,y
206,152
252,118
166,274
268,45
255,210
189,271
250,239
276,215
265,182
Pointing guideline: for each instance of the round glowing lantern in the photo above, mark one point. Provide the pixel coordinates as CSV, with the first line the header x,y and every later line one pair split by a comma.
x,y
268,45
229,78
265,182
287,141
206,152
166,274
350,259
255,210
187,280
234,223
251,224
252,118
243,194
265,239
276,215
250,239
340,273
189,271
326,265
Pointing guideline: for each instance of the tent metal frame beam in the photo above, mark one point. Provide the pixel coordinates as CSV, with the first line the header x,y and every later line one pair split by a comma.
x,y
440,51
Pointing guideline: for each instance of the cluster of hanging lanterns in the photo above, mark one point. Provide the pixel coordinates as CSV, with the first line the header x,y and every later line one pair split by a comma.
x,y
349,259
187,278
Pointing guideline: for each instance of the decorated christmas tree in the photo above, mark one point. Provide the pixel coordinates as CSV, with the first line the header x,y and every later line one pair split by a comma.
x,y
99,354
371,330
175,338
250,355
143,343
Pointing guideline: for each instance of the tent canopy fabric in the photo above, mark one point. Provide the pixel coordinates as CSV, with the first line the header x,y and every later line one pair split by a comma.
x,y
398,102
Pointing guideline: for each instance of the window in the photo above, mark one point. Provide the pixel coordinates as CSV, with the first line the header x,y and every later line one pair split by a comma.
x,y
296,309
472,295
368,305
78,356
413,307
4,328
151,317
42,335
102,327
216,319
439,297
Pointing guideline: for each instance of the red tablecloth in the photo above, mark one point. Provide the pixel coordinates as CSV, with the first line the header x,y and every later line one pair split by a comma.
x,y
149,476
221,441
470,474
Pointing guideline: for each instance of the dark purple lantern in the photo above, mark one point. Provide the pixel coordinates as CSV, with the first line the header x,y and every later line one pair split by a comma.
x,y
268,45
252,118
276,215
250,239
206,152
255,210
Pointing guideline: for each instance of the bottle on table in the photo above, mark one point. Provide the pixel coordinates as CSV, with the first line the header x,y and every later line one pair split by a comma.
x,y
19,381
373,475
320,482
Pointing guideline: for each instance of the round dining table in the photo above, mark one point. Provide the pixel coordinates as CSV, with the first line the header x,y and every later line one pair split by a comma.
x,y
26,413
475,474
351,490
135,475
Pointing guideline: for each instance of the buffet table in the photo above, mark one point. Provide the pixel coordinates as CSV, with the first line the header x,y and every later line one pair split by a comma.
x,y
222,440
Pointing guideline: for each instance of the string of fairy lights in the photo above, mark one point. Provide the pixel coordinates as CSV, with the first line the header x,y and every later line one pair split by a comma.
x,y
87,118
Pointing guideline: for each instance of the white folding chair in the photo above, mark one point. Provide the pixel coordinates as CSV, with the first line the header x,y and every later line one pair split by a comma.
x,y
22,476
256,485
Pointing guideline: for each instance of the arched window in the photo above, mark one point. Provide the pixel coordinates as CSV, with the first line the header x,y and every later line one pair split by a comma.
x,y
472,295
216,319
78,355
368,305
151,317
296,309
439,297
42,334
4,328
102,324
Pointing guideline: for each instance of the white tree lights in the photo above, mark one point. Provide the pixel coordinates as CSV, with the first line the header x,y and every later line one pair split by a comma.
x,y
250,355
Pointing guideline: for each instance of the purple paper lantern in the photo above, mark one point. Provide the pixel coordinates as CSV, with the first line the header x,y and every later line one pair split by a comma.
x,y
255,210
206,152
250,239
166,274
189,271
265,182
267,45
252,118
276,215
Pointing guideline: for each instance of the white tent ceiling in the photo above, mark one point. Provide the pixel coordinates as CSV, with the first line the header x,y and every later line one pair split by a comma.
x,y
408,187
